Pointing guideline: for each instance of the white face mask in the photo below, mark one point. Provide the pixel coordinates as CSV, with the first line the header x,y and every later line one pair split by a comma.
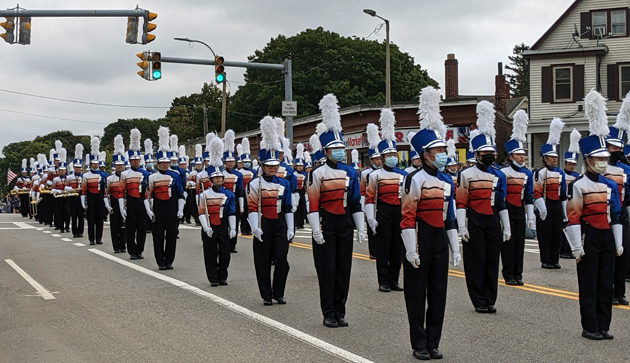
x,y
599,167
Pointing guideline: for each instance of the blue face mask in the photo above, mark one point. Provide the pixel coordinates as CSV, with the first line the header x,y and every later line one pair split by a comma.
x,y
149,165
173,164
247,165
440,161
391,161
337,154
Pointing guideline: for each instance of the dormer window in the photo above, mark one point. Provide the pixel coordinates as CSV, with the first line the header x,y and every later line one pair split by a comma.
x,y
604,23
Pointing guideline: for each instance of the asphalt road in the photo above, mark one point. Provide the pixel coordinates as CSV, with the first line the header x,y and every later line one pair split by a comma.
x,y
104,307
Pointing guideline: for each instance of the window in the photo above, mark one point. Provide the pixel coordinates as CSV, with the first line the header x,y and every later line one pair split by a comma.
x,y
604,23
624,81
598,24
618,22
562,84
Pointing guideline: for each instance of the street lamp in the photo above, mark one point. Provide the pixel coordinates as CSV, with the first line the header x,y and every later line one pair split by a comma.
x,y
223,103
388,100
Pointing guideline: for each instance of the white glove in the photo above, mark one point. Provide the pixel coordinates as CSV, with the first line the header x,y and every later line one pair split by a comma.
x,y
252,218
241,204
542,208
204,224
147,206
462,230
232,223
564,211
531,218
453,242
373,224
617,230
363,203
505,221
123,211
369,214
574,237
56,191
190,183
359,223
83,201
409,241
185,195
288,218
67,189
295,199
107,206
180,207
313,220
308,205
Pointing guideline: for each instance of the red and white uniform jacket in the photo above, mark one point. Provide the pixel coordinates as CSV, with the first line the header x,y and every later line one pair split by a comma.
x,y
58,184
550,184
333,188
93,183
386,185
248,175
115,187
430,198
219,204
134,182
272,194
594,200
482,190
230,181
519,185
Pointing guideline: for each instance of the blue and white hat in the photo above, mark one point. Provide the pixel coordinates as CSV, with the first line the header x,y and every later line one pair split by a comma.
x,y
555,130
101,158
519,132
174,148
215,151
78,156
354,156
163,154
451,153
134,144
198,155
330,137
209,137
23,169
95,144
57,148
270,144
307,160
373,139
286,150
571,156
484,141
387,122
228,148
119,151
183,158
623,118
432,129
594,145
299,154
246,156
148,151
316,147
413,154
63,158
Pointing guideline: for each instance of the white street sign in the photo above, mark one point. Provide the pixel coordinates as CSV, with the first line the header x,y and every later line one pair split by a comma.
x,y
289,108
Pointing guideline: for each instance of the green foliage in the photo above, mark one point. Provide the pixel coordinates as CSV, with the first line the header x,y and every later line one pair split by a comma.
x,y
324,62
148,129
519,81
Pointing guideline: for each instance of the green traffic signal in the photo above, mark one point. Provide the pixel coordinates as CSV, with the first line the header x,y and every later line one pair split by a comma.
x,y
220,77
157,74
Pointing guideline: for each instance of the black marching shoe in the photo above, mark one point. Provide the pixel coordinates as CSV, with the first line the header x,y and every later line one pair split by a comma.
x,y
592,336
422,354
331,322
615,301
511,282
267,302
233,250
92,243
223,283
116,250
481,309
607,335
435,353
568,256
384,288
122,250
520,282
99,242
372,257
133,257
162,267
169,267
396,287
280,299
342,321
622,300
68,230
492,309
214,284
548,266
556,266
139,256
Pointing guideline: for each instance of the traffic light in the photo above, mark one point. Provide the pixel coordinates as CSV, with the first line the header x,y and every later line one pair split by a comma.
x,y
148,27
24,35
9,26
132,30
219,69
156,66
145,65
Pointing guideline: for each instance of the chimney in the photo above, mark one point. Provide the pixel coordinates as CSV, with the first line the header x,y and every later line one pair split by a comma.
x,y
451,77
500,93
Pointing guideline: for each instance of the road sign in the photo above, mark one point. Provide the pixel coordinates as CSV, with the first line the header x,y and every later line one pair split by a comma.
x,y
289,108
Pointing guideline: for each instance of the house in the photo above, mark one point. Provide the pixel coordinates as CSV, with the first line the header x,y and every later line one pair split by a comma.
x,y
587,47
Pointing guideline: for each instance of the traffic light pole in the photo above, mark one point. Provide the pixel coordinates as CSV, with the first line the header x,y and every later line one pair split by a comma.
x,y
285,68
223,109
73,13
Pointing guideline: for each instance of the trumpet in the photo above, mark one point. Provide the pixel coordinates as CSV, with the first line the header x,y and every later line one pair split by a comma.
x,y
44,189
66,194
19,191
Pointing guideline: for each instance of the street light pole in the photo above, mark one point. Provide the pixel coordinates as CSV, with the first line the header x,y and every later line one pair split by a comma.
x,y
388,99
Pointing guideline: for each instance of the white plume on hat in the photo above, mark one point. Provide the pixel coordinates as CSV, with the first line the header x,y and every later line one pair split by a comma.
x,y
315,144
451,151
239,150
372,135
119,146
286,149
574,138
254,163
473,133
279,128
198,150
330,113
163,139
41,160
24,163
269,134
52,155
387,122
102,156
182,152
595,111
485,118
134,139
216,152
246,147
354,156
299,151
32,163
209,137
307,157
148,147
95,144
519,126
623,117
174,142
78,151
229,141
555,130
57,146
63,155
429,111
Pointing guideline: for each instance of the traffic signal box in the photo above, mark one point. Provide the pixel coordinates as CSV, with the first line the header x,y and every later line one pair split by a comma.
x,y
219,69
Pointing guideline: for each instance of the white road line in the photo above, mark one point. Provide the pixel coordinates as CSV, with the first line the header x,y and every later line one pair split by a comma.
x,y
66,239
24,225
47,231
79,244
56,235
309,339
40,289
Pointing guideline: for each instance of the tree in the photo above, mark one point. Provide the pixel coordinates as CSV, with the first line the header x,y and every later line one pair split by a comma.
x,y
519,81
148,129
324,62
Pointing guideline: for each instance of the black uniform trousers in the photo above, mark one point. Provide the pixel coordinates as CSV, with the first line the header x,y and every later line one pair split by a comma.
x,y
513,250
622,262
217,247
117,226
95,216
24,205
136,223
300,213
62,213
425,287
165,225
333,262
76,215
245,227
389,245
549,232
371,242
274,247
44,209
481,257
595,279
190,209
565,247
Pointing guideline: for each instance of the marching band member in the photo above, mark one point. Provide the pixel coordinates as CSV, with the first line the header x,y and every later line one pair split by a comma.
x,y
550,199
301,177
191,209
232,181
376,162
284,170
382,207
62,209
334,196
416,161
101,161
23,184
570,162
114,198
164,204
92,194
217,215
481,198
131,207
428,207
248,174
34,194
518,200
270,217
202,178
470,156
73,184
148,156
593,202
452,165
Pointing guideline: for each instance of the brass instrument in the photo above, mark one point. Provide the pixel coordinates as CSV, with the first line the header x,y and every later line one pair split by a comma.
x,y
44,189
66,194
33,206
202,199
19,191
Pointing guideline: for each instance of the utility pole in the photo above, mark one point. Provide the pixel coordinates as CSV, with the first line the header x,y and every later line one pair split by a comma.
x,y
205,120
223,110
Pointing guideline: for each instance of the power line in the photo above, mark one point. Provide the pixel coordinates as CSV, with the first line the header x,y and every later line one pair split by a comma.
x,y
54,118
80,102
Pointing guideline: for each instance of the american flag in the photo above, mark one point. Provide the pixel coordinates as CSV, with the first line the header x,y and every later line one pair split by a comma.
x,y
10,176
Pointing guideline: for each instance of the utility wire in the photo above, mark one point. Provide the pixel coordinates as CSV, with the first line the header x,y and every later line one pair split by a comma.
x,y
80,102
54,118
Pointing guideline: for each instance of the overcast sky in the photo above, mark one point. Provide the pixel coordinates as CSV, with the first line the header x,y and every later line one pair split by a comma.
x,y
88,60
